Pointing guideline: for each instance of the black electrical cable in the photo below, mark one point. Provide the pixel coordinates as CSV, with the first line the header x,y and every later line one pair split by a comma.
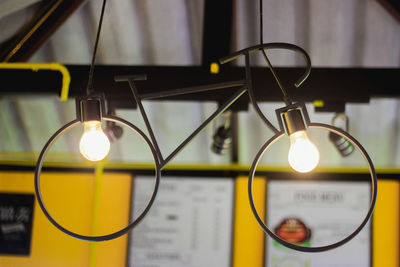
x,y
89,88
271,68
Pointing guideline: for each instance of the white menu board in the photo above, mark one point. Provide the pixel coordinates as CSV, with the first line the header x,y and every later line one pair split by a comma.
x,y
329,211
189,225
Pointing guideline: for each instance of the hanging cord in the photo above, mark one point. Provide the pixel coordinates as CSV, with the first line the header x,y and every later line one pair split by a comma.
x,y
271,68
89,88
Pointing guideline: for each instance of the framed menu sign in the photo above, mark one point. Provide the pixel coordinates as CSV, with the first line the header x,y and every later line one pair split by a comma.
x,y
318,213
190,223
16,214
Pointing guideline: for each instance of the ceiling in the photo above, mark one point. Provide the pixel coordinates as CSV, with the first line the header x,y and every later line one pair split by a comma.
x,y
339,34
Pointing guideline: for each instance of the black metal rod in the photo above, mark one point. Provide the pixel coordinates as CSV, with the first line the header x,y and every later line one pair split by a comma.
x,y
287,46
135,77
220,110
145,119
191,90
253,97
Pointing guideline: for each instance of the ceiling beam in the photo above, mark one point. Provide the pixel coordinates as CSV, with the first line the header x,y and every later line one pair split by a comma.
x,y
331,85
47,20
8,7
392,6
217,30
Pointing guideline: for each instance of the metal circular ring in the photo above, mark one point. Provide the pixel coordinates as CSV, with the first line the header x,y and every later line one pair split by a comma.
x,y
38,171
374,184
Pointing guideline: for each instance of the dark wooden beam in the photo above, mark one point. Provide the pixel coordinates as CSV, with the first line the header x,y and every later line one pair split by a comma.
x,y
217,30
332,85
392,6
47,20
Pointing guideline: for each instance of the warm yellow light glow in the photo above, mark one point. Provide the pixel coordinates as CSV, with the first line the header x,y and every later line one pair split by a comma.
x,y
94,144
303,154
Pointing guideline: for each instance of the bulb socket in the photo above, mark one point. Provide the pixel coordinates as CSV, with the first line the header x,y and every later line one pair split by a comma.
x,y
90,110
293,120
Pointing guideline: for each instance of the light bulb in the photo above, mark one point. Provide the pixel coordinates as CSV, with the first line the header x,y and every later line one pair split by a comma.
x,y
303,154
94,144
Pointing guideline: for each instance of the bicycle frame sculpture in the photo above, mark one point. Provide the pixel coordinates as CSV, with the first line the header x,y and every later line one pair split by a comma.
x,y
85,105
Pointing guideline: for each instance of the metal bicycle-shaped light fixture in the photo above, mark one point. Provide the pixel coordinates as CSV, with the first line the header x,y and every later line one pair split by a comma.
x,y
293,120
94,145
293,116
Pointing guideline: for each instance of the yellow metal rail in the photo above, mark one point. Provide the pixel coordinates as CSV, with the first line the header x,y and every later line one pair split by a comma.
x,y
66,77
69,160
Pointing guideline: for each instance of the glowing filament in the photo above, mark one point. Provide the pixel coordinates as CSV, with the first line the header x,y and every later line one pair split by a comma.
x,y
94,144
303,154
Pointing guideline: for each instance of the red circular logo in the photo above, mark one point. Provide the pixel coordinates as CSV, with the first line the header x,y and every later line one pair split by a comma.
x,y
293,230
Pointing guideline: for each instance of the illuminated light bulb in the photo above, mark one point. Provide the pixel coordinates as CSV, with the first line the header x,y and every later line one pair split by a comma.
x,y
94,144
303,154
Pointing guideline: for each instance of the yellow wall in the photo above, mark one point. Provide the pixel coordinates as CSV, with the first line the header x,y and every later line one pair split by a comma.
x,y
75,199
386,225
248,247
